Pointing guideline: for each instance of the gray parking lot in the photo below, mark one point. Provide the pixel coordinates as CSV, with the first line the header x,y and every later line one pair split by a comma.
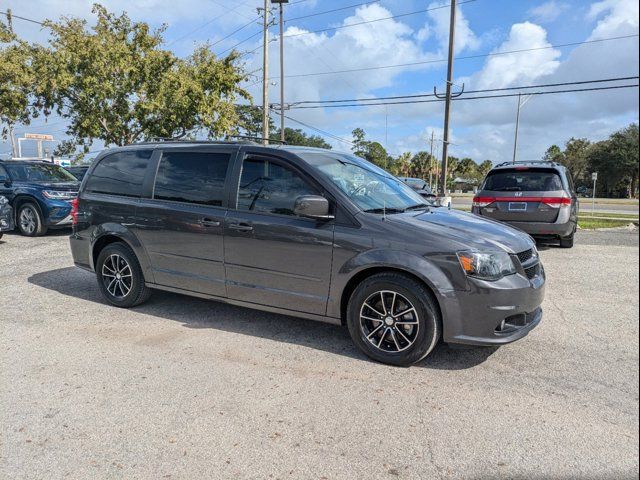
x,y
187,388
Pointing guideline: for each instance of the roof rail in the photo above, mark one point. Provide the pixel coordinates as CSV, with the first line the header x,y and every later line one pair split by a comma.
x,y
258,139
503,164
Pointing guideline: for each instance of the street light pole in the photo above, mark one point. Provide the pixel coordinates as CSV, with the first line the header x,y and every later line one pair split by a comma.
x,y
431,163
515,140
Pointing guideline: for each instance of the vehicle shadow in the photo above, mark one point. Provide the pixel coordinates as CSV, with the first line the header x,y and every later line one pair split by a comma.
x,y
199,313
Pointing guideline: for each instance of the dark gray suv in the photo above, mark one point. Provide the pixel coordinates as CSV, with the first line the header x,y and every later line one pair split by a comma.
x,y
304,232
537,197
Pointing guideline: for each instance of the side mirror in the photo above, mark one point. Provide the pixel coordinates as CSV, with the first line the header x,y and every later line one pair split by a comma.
x,y
312,206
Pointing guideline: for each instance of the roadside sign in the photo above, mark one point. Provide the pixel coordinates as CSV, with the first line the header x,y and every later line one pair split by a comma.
x,y
38,136
594,176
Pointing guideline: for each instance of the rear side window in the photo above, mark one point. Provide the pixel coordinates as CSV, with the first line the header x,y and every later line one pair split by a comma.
x,y
192,177
121,173
513,180
270,188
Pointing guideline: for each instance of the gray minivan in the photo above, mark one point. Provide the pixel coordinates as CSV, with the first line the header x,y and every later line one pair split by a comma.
x,y
536,197
305,232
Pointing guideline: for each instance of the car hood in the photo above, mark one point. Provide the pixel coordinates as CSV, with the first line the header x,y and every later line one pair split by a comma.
x,y
471,231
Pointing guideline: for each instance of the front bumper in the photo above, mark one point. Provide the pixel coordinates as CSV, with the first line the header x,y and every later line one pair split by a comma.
x,y
493,313
6,219
59,213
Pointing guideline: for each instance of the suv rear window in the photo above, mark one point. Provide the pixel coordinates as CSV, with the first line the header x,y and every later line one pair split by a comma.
x,y
192,177
121,173
515,180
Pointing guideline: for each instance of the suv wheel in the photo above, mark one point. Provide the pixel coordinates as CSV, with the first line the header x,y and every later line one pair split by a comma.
x,y
120,277
30,221
393,319
567,242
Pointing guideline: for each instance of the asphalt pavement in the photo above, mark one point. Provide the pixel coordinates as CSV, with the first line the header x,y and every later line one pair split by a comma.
x,y
187,388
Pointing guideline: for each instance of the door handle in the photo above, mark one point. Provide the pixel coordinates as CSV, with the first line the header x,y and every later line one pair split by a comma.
x,y
207,222
241,227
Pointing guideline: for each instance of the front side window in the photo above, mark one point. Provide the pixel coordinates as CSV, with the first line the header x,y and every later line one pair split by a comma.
x,y
192,177
518,180
371,188
4,176
267,187
121,173
39,172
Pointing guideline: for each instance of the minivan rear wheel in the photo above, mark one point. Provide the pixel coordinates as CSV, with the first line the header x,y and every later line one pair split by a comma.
x,y
567,242
393,319
120,277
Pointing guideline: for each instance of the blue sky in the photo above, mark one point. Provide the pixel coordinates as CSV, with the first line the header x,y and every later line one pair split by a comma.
x,y
481,129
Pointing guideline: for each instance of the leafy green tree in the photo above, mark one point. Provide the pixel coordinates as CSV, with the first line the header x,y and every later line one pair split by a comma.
x,y
575,157
553,154
374,152
484,168
624,151
113,81
250,121
299,137
17,81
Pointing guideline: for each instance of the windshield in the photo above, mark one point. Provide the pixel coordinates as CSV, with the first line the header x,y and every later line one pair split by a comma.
x,y
368,186
523,181
39,172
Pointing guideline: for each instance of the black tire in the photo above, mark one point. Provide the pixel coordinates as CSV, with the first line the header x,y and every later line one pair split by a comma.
x,y
30,221
113,276
416,344
567,242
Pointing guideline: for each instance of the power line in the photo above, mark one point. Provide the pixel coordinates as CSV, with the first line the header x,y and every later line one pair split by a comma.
x,y
467,57
12,15
333,10
399,97
613,87
236,31
326,134
240,43
374,20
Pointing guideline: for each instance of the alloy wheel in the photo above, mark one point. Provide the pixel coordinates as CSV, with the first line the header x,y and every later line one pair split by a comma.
x,y
28,220
117,276
389,321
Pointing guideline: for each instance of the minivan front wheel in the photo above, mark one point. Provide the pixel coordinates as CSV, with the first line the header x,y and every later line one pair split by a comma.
x,y
120,277
30,221
393,319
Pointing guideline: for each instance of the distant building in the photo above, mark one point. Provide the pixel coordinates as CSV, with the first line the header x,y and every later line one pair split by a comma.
x,y
463,185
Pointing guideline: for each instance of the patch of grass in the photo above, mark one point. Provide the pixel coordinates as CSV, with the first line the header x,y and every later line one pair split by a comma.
x,y
592,223
626,216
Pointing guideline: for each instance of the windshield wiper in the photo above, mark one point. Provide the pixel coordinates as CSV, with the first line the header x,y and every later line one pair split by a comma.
x,y
384,210
418,206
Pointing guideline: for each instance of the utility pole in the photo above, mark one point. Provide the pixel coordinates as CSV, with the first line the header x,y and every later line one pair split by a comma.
x,y
265,74
431,163
447,108
282,108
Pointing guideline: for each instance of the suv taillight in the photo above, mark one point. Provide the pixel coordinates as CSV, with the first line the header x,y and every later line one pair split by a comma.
x,y
74,211
556,202
483,201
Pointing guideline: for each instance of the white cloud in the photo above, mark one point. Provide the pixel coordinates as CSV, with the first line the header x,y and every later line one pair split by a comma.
x,y
440,20
519,68
548,12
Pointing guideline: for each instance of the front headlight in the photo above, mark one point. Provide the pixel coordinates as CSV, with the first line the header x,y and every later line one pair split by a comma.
x,y
59,195
487,266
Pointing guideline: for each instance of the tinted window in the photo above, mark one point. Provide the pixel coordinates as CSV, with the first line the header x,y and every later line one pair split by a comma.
x,y
120,173
523,181
3,174
270,188
192,177
39,172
